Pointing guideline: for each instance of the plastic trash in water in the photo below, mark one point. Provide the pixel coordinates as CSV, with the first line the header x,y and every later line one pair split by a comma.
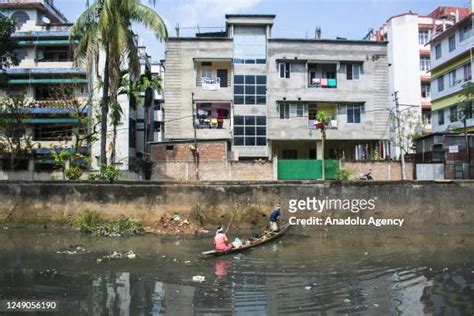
x,y
199,278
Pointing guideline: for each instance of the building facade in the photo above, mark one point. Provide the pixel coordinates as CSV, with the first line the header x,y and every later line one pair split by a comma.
x,y
260,95
55,91
452,61
408,37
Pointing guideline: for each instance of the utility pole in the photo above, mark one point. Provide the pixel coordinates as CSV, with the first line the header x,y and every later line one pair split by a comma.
x,y
195,152
399,131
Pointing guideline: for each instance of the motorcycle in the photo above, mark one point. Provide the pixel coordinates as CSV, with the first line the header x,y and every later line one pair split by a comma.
x,y
367,176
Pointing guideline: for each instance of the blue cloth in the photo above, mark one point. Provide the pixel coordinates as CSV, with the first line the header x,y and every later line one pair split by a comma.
x,y
275,215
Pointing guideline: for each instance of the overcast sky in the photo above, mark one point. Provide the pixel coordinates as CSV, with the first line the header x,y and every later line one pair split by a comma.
x,y
295,18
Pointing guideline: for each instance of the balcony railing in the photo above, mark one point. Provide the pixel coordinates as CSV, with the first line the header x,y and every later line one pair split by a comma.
x,y
322,83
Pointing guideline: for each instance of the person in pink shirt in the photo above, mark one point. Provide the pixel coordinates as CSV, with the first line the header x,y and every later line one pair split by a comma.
x,y
221,241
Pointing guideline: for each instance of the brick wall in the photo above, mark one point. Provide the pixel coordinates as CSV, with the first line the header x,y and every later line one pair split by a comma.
x,y
208,151
381,170
212,170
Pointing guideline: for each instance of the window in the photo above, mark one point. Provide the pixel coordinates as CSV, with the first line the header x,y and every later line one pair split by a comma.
x,y
250,89
284,111
250,45
169,147
452,78
467,72
425,64
354,113
353,71
206,72
440,117
250,131
284,70
20,18
223,75
438,51
467,111
425,90
465,31
54,53
452,43
292,110
440,83
453,114
423,36
55,132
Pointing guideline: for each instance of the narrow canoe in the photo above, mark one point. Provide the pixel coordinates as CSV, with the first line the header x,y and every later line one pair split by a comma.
x,y
264,238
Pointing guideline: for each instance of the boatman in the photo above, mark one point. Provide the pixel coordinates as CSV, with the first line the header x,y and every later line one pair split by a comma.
x,y
274,217
221,241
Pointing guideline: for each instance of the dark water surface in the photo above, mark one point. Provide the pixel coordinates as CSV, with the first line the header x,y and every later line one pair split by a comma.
x,y
344,273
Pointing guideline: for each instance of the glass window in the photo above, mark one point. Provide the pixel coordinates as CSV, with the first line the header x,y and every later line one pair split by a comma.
x,y
440,83
424,36
425,90
353,71
425,64
467,72
465,31
250,45
452,78
250,89
452,43
284,111
353,113
250,131
300,110
438,51
453,114
20,18
284,70
440,117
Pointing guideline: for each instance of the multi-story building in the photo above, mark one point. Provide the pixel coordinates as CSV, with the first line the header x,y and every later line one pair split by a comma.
x,y
408,36
46,76
451,60
259,95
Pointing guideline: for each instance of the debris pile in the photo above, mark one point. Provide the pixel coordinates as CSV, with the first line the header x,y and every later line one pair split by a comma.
x,y
175,225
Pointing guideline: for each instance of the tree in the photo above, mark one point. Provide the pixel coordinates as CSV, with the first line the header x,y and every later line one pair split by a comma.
x,y
7,43
466,112
13,141
324,120
148,85
107,26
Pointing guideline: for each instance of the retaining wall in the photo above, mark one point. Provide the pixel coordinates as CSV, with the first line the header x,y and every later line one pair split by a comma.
x,y
421,204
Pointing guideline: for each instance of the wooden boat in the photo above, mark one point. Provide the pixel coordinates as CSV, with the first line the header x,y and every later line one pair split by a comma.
x,y
254,242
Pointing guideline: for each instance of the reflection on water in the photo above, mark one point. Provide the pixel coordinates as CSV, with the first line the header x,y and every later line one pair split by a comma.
x,y
346,274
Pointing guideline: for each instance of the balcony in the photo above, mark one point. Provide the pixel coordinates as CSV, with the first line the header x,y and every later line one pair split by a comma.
x,y
322,75
330,109
213,119
213,79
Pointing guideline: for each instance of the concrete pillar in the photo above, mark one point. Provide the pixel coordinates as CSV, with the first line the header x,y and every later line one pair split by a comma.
x,y
319,149
275,167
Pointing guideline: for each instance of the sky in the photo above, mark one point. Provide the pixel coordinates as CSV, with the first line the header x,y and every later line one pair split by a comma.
x,y
350,19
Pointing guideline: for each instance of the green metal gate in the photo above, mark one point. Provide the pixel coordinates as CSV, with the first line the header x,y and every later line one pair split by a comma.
x,y
306,169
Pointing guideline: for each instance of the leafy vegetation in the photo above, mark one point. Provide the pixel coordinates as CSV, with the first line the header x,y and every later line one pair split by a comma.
x,y
8,44
90,222
108,173
343,174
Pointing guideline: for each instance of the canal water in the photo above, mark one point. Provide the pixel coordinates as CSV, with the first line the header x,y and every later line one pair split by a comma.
x,y
341,273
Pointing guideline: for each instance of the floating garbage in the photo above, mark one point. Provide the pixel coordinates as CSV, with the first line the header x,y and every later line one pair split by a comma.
x,y
73,250
199,278
187,262
307,288
346,300
176,217
118,255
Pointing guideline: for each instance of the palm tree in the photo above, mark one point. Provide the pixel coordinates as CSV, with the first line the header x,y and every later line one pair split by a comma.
x,y
147,84
323,121
106,26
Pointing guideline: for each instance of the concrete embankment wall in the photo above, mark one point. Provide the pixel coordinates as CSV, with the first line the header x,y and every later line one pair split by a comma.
x,y
422,204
